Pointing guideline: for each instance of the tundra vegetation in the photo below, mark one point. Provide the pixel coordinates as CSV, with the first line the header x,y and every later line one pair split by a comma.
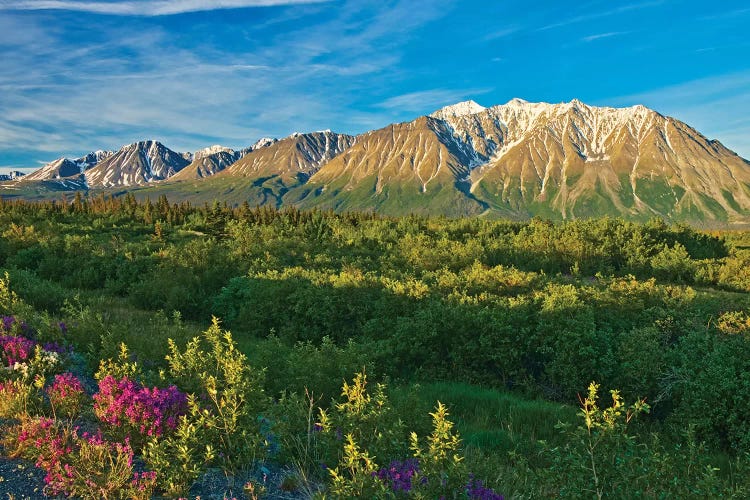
x,y
368,356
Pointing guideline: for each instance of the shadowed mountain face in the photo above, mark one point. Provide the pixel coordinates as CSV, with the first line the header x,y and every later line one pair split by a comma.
x,y
208,162
277,167
515,160
294,158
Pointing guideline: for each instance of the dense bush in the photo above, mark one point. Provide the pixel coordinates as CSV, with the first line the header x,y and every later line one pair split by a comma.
x,y
312,297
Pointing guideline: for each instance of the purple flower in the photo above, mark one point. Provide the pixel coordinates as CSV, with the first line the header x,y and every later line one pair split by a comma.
x,y
55,347
8,323
475,489
399,474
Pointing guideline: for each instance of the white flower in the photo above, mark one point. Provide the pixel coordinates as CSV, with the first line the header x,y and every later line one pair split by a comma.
x,y
22,367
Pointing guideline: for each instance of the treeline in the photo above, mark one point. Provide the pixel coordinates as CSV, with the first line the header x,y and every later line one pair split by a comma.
x,y
537,307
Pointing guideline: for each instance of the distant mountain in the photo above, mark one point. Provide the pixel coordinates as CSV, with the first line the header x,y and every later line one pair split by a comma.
x,y
12,175
209,161
402,168
64,167
516,160
276,166
136,164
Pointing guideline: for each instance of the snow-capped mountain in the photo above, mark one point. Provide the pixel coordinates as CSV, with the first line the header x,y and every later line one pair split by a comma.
x,y
516,160
64,167
135,164
459,109
12,175
582,160
263,142
520,159
295,157
211,150
209,161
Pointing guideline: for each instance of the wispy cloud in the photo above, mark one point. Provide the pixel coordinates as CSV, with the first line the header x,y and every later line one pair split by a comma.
x,y
144,7
730,14
113,83
599,36
601,14
501,33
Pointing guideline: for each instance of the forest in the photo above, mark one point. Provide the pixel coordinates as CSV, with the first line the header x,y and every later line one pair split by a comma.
x,y
251,352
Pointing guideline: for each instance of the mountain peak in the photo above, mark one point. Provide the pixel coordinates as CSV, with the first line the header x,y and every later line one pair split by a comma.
x,y
216,148
263,142
459,109
143,144
517,101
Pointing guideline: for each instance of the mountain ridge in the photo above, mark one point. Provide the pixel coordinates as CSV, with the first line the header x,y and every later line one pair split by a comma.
x,y
517,159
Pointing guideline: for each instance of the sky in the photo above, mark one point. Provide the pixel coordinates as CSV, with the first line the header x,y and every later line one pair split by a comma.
x,y
82,75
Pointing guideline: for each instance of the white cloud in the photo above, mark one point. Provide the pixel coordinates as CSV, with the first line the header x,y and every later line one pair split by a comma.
x,y
144,7
599,36
502,33
598,15
114,82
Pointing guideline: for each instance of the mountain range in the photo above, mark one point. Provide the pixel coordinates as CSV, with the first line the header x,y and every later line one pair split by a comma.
x,y
515,160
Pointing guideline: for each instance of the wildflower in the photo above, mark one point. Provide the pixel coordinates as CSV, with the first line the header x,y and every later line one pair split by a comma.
x,y
150,412
476,490
398,475
15,349
66,394
7,323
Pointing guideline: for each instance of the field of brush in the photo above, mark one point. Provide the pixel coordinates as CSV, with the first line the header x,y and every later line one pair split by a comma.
x,y
311,354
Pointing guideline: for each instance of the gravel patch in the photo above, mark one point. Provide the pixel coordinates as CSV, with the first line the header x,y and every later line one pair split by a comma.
x,y
22,480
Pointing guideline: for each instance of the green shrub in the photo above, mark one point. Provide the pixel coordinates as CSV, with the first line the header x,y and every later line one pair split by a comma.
x,y
212,368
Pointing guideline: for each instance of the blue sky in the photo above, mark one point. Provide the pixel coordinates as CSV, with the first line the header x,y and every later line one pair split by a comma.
x,y
80,75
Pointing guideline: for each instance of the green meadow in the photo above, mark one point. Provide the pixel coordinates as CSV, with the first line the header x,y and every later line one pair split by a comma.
x,y
594,358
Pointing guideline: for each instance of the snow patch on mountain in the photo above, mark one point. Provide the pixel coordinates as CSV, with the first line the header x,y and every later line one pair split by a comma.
x,y
263,142
211,150
459,109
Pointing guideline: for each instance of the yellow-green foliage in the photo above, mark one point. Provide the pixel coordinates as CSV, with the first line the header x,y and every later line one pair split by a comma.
x,y
120,367
353,477
19,398
211,365
180,458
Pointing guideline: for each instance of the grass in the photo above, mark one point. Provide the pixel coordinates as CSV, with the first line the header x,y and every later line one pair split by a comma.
x,y
493,420
100,323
